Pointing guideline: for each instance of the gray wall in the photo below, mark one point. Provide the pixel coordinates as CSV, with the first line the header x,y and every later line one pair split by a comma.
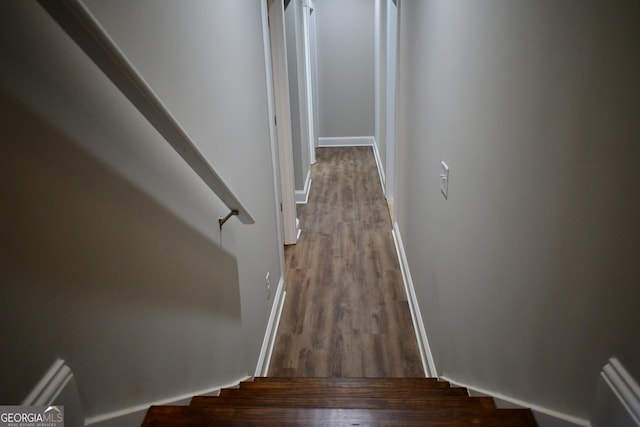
x,y
345,42
297,93
527,276
111,254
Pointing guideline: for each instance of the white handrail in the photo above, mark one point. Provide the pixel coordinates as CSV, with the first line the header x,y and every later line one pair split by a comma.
x,y
84,29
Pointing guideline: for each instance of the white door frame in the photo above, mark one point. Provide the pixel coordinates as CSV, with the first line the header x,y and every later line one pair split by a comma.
x,y
283,119
391,85
313,51
307,8
280,120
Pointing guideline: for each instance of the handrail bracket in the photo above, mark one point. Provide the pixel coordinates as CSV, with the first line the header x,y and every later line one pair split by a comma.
x,y
222,220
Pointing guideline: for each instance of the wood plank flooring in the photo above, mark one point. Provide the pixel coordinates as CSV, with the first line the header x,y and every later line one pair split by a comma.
x,y
346,312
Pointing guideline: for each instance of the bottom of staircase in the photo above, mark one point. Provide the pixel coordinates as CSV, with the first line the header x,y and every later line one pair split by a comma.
x,y
272,401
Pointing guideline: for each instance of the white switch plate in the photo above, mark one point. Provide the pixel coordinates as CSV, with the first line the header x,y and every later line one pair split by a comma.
x,y
444,179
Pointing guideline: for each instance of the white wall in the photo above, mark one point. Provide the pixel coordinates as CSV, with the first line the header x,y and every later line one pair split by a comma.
x,y
345,43
111,254
527,276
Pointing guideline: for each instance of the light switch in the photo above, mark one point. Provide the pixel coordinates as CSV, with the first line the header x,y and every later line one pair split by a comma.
x,y
444,179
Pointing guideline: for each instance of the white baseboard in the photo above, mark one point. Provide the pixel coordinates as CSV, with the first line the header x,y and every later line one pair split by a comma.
x,y
133,416
545,417
262,368
302,196
421,334
346,141
617,401
299,230
50,385
58,387
376,154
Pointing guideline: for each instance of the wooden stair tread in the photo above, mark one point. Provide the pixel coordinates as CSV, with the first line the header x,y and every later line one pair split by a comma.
x,y
188,416
272,382
302,392
364,387
346,402
418,381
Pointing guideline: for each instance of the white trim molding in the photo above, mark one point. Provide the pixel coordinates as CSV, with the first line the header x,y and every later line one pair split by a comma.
x,y
279,104
545,417
376,155
346,141
617,401
302,196
307,7
58,387
262,368
52,382
421,333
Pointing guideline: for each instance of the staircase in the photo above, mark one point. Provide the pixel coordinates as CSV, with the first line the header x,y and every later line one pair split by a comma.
x,y
273,401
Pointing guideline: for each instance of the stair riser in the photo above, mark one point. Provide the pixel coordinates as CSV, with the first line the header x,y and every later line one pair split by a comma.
x,y
341,393
346,403
191,417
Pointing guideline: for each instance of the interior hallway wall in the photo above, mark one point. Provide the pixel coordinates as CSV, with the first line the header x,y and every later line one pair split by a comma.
x,y
527,275
345,48
111,254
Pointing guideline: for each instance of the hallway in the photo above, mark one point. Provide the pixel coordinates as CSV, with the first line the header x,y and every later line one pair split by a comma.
x,y
346,312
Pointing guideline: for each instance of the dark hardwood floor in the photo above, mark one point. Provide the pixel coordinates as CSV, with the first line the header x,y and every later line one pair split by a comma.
x,y
346,312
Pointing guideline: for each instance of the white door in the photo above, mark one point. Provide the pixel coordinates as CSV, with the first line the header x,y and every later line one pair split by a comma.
x,y
282,120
